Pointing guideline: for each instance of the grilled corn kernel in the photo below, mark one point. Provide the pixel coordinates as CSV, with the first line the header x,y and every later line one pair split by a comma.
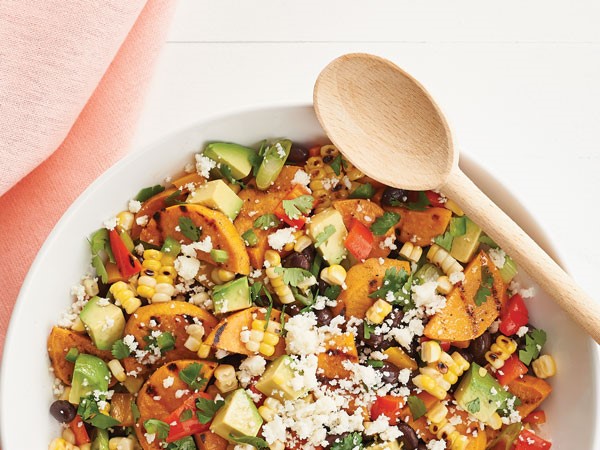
x,y
314,162
125,220
203,351
168,271
152,264
266,349
431,351
411,252
192,344
116,368
61,444
273,258
196,330
378,311
437,413
334,274
429,385
440,257
500,351
225,275
444,286
452,206
226,381
544,366
145,291
200,298
284,293
495,422
152,254
302,243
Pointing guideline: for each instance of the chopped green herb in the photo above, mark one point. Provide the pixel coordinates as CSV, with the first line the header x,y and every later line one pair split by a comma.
x,y
173,198
293,276
474,406
187,443
375,363
135,411
368,329
269,309
250,238
315,268
332,292
363,191
534,341
90,413
120,350
165,341
444,240
324,235
219,256
336,164
266,221
191,376
384,223
256,159
420,204
485,239
295,207
158,427
148,192
255,291
103,421
72,355
282,322
256,442
352,441
393,281
189,229
417,407
207,409
485,289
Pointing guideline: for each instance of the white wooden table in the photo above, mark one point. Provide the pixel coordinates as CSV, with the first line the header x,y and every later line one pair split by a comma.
x,y
518,81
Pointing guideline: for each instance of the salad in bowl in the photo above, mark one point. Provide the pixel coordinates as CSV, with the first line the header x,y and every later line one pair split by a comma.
x,y
276,297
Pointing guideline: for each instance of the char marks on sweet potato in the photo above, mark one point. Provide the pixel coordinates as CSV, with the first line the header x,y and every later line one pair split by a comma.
x,y
420,227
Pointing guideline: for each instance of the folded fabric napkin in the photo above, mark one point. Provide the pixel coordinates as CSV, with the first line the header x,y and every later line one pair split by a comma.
x,y
72,78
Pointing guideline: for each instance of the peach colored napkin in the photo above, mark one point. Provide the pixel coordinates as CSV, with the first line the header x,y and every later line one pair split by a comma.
x,y
72,78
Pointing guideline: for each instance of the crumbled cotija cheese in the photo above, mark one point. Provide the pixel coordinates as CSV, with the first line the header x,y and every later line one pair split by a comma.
x,y
280,238
301,177
498,257
204,165
187,267
134,206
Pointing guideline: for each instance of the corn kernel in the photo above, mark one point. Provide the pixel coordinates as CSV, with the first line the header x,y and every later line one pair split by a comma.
x,y
167,260
260,325
121,443
335,275
429,385
431,351
378,311
168,271
116,368
200,298
68,436
277,445
125,220
266,413
203,351
495,422
544,366
151,264
91,286
271,339
131,305
252,346
273,258
225,275
302,243
226,379
288,247
153,254
145,291
437,413
444,286
192,344
196,330
61,444
411,252
440,257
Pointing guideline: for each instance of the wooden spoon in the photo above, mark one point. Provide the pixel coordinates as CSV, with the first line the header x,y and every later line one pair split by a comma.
x,y
388,126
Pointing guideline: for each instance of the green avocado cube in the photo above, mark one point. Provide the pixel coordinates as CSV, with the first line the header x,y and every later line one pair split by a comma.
x,y
238,417
103,321
217,195
332,250
463,247
277,381
236,157
89,374
232,296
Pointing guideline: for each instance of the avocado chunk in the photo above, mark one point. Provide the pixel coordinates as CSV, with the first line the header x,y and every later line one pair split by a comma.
x,y
277,380
463,247
103,321
232,296
272,164
217,195
428,272
90,374
238,416
235,156
332,250
480,394
99,439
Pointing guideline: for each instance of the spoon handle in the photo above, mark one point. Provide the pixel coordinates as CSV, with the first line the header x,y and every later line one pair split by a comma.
x,y
583,309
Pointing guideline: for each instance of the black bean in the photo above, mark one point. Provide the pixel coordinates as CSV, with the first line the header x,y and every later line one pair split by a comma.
x,y
466,354
374,341
390,373
392,196
63,411
292,309
422,446
396,317
324,316
298,260
479,347
298,154
409,437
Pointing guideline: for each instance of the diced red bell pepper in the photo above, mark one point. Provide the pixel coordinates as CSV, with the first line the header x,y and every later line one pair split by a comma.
x,y
78,428
178,429
296,192
359,241
536,418
314,151
128,264
435,199
388,406
528,440
514,315
512,369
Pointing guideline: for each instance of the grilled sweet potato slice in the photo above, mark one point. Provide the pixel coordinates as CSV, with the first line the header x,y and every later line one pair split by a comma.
x,y
214,224
150,207
339,348
362,280
60,342
226,335
366,212
210,441
532,391
462,319
173,317
120,408
155,401
420,227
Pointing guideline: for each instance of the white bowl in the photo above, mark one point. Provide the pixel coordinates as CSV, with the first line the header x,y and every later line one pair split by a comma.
x,y
26,384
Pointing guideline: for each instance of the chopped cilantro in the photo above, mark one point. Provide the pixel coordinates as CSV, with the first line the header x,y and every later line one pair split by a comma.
x,y
295,207
90,412
266,221
148,192
189,228
269,308
164,341
173,198
363,191
315,268
474,406
158,427
207,409
420,204
384,223
135,411
324,235
444,240
293,276
417,407
368,329
484,291
255,442
332,292
120,350
191,376
99,244
336,164
256,159
187,443
394,281
375,363
352,441
250,238
282,322
103,421
534,341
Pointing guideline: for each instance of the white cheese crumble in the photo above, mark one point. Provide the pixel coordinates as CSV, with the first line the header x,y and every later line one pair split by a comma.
x,y
253,366
302,337
522,331
205,245
280,238
436,445
301,177
134,206
142,221
168,382
498,257
187,267
204,165
425,296
456,277
111,223
382,427
388,242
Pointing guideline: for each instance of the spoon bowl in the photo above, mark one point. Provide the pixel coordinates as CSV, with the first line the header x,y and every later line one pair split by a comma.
x,y
389,127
